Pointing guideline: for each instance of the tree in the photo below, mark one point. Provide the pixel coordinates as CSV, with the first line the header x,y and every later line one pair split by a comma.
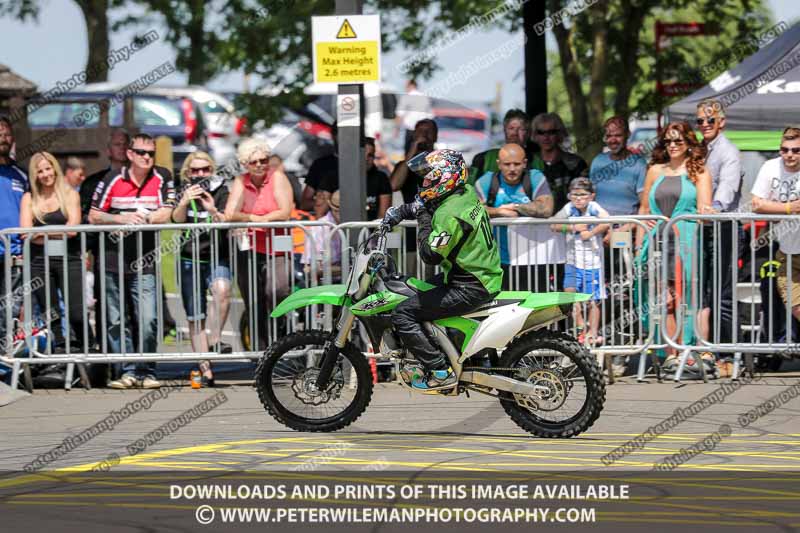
x,y
607,54
95,14
188,30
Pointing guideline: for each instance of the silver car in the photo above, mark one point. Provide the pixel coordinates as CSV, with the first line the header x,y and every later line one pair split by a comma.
x,y
223,126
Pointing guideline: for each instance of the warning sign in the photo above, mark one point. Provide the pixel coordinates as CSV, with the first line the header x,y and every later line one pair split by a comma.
x,y
346,49
346,31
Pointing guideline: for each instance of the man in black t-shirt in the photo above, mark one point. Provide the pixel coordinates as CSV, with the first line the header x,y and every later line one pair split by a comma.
x,y
117,157
379,190
559,166
322,168
426,133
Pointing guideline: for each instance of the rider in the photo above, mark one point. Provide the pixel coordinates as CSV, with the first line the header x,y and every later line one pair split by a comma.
x,y
453,232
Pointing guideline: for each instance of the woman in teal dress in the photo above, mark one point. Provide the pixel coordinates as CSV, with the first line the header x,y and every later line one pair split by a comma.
x,y
677,183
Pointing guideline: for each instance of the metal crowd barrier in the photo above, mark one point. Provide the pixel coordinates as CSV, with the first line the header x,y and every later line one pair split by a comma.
x,y
541,267
538,260
44,296
40,301
733,302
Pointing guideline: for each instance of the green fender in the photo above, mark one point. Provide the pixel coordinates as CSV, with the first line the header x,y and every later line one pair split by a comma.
x,y
323,294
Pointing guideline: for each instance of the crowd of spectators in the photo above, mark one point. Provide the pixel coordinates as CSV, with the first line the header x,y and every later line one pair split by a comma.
x,y
531,175
683,174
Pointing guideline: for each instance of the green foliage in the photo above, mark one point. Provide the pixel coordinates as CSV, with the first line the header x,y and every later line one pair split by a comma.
x,y
20,9
685,60
271,40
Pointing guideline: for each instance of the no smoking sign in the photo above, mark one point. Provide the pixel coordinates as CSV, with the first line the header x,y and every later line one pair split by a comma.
x,y
347,110
348,103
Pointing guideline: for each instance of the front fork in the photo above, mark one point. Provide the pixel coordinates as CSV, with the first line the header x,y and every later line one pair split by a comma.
x,y
330,353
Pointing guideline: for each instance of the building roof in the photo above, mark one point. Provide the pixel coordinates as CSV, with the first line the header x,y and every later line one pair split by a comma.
x,y
11,82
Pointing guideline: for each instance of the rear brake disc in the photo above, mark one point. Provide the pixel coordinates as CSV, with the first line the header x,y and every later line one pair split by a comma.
x,y
556,395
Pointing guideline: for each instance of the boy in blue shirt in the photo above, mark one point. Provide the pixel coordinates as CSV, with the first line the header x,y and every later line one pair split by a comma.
x,y
584,269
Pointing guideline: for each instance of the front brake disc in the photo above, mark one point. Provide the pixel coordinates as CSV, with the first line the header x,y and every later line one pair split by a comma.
x,y
305,388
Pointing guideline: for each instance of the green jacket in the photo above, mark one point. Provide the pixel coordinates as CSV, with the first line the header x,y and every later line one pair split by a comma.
x,y
458,237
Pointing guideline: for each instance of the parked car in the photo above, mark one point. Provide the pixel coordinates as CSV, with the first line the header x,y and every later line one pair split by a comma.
x,y
156,115
175,117
379,104
462,128
643,133
224,127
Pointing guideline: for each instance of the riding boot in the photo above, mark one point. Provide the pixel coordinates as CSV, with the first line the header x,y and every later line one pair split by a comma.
x,y
422,349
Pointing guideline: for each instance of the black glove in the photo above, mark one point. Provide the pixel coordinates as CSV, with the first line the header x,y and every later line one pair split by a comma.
x,y
395,215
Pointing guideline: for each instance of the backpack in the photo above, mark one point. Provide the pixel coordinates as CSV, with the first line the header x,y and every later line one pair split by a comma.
x,y
495,186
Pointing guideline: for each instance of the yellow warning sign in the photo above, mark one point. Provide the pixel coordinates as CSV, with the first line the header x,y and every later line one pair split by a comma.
x,y
346,31
346,49
351,62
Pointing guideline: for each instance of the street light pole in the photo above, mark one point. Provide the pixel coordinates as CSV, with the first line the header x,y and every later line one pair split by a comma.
x,y
535,59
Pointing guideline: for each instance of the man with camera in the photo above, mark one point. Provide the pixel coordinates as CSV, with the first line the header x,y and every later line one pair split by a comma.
x,y
425,135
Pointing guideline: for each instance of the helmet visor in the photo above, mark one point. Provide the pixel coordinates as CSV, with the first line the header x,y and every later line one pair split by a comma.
x,y
419,165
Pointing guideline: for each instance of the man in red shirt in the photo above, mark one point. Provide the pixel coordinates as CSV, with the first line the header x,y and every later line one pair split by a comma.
x,y
136,195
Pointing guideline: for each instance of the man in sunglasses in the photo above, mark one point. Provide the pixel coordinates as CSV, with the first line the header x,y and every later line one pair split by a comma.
x,y
724,164
776,191
139,194
558,165
515,130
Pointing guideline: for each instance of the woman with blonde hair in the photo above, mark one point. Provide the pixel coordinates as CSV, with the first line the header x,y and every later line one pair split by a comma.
x,y
204,261
261,194
51,202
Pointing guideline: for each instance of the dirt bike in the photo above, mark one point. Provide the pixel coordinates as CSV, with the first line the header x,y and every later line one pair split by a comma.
x,y
317,380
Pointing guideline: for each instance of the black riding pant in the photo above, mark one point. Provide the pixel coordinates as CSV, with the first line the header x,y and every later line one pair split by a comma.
x,y
440,302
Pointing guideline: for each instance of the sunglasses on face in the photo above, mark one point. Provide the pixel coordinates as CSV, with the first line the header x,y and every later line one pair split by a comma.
x,y
200,170
676,142
546,132
711,121
262,162
139,151
785,150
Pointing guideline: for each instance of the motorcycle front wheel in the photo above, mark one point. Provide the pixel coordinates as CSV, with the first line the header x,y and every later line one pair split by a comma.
x,y
572,388
286,383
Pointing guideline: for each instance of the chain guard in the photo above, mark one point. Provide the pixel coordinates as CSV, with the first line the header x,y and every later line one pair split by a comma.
x,y
305,388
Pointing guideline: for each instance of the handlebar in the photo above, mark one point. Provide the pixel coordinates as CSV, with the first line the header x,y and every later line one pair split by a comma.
x,y
380,234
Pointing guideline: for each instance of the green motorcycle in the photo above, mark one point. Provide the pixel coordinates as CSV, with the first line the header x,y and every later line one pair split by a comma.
x,y
318,380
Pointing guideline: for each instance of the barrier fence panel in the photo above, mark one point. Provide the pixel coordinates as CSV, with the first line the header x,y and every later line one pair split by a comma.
x,y
739,294
110,294
150,279
545,255
534,253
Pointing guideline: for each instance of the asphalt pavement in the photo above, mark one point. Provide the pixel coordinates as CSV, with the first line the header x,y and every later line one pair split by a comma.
x,y
401,431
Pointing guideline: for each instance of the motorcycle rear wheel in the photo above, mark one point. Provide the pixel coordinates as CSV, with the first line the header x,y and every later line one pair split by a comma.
x,y
559,362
